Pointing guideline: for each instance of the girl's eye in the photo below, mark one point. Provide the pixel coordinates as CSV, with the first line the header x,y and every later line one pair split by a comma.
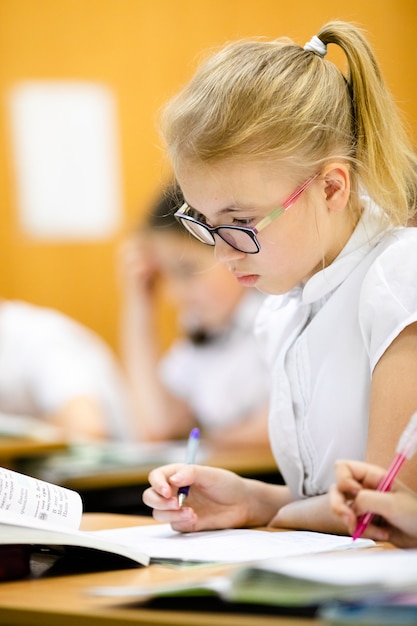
x,y
243,222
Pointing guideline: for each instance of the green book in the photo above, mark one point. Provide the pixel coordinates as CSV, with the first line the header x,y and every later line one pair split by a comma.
x,y
311,580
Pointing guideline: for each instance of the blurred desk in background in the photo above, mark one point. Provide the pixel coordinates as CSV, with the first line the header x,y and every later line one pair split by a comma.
x,y
23,437
248,461
252,461
111,477
15,450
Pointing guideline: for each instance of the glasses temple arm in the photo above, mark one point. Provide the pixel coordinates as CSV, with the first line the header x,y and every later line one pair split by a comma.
x,y
285,205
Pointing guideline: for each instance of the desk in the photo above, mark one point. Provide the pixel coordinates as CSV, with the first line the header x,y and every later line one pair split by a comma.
x,y
254,461
14,448
62,600
118,488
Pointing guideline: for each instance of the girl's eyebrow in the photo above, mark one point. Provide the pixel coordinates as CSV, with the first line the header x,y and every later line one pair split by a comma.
x,y
231,209
226,211
236,208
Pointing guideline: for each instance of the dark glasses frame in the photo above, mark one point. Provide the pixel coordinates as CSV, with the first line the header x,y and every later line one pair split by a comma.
x,y
205,233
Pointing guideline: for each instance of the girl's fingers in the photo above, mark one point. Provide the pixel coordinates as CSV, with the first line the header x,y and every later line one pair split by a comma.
x,y
358,474
378,533
340,505
164,480
348,478
155,501
380,503
180,519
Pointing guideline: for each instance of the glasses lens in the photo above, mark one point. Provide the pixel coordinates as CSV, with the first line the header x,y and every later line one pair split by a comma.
x,y
199,231
238,239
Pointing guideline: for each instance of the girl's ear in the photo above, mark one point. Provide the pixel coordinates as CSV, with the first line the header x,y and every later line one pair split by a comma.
x,y
336,186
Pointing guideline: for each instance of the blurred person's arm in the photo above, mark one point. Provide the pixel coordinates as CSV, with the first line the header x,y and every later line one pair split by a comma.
x,y
80,419
158,413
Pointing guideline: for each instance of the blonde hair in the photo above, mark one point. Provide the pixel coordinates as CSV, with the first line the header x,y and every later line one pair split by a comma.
x,y
257,99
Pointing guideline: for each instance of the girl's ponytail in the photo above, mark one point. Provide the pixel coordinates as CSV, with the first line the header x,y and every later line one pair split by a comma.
x,y
387,164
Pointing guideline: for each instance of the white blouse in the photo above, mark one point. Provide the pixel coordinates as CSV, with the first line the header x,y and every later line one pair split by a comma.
x,y
323,341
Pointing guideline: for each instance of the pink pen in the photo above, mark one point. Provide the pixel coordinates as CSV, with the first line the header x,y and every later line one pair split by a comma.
x,y
406,447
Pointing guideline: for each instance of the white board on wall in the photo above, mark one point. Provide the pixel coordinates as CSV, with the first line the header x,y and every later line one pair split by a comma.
x,y
66,159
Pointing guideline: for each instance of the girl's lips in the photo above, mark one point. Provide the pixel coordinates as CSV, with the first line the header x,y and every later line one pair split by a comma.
x,y
247,280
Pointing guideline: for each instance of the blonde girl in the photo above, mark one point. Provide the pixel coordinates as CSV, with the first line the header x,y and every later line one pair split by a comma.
x,y
303,179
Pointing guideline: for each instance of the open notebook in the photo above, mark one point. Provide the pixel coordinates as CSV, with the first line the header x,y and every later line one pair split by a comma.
x,y
37,513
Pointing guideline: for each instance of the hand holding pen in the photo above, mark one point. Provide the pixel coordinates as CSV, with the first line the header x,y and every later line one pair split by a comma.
x,y
406,448
221,498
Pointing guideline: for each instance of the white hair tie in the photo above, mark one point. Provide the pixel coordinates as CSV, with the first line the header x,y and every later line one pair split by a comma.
x,y
317,46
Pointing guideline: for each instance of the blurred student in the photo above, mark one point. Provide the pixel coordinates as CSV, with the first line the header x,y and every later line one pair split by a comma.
x,y
355,494
53,368
213,375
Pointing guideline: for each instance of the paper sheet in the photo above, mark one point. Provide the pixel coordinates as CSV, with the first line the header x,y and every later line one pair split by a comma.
x,y
388,567
159,541
28,501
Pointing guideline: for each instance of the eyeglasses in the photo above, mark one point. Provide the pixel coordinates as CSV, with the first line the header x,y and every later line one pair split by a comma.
x,y
241,238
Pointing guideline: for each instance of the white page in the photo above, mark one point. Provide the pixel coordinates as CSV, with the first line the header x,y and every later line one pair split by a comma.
x,y
236,545
388,567
27,501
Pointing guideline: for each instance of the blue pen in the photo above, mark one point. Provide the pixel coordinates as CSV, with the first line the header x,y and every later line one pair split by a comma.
x,y
192,445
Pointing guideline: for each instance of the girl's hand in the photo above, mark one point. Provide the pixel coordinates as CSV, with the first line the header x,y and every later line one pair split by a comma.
x,y
355,494
217,498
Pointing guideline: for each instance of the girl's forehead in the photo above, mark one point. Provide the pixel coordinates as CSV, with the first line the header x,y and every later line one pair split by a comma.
x,y
231,184
224,173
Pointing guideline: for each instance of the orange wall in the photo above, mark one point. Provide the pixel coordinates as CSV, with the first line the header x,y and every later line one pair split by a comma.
x,y
144,50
